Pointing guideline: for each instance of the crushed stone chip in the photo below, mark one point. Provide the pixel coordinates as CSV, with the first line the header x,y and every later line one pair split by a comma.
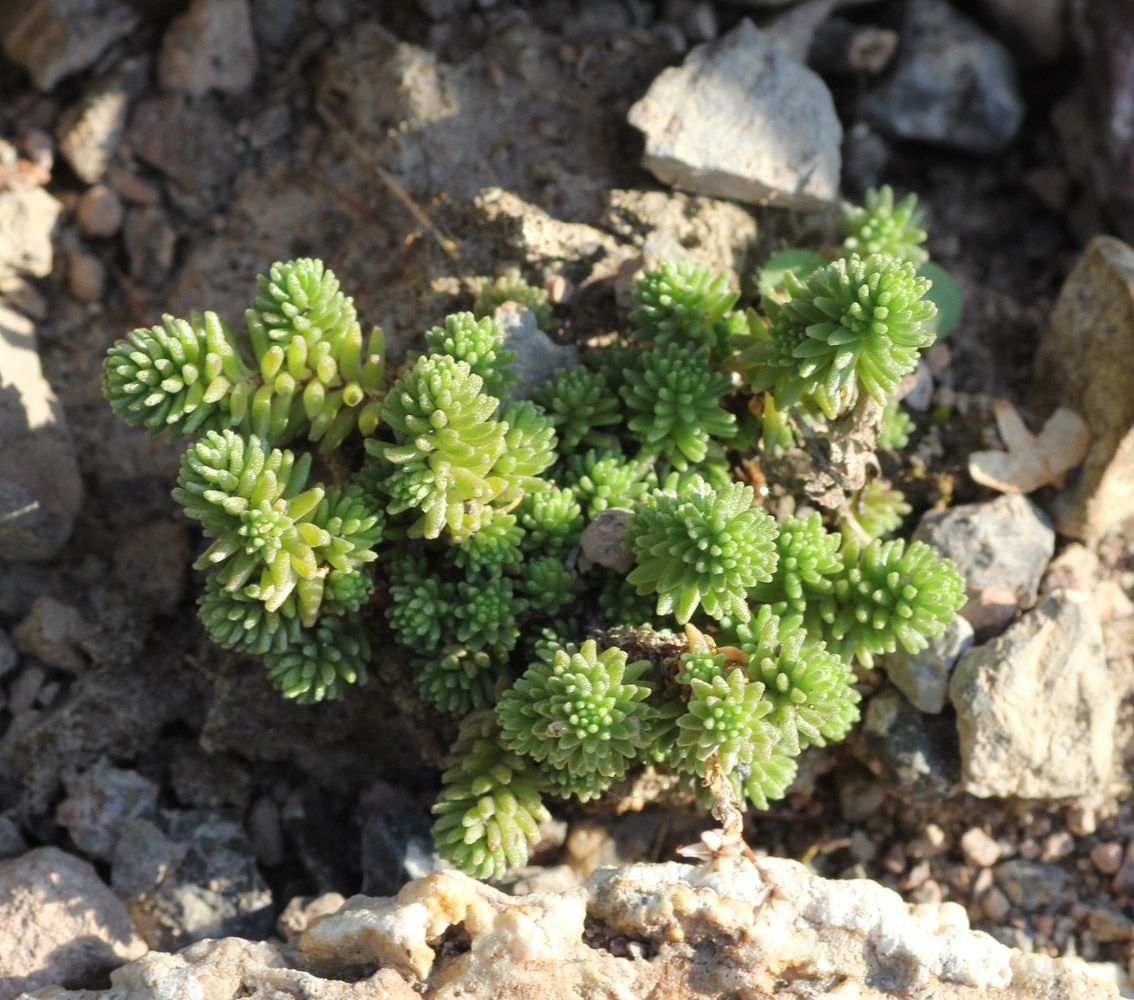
x,y
1031,460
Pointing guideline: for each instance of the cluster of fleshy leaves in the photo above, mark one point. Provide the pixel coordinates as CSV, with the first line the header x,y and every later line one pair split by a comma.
x,y
463,520
301,362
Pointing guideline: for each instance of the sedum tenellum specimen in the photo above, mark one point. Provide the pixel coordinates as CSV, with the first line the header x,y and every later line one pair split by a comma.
x,y
448,526
884,226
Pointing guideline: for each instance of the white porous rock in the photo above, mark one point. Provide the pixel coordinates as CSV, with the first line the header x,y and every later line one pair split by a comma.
x,y
661,931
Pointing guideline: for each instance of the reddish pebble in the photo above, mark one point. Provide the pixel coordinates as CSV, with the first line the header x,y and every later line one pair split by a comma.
x,y
979,849
1107,857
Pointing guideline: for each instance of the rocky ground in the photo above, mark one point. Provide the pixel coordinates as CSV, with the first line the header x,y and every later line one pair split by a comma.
x,y
156,156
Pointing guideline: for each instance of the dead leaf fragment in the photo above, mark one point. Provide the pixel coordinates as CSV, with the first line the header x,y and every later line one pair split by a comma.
x,y
1031,461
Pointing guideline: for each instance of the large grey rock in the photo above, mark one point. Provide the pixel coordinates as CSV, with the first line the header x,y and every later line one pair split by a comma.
x,y
209,47
40,489
190,875
924,677
1001,548
27,221
1037,707
1086,362
953,84
59,924
664,931
52,39
741,119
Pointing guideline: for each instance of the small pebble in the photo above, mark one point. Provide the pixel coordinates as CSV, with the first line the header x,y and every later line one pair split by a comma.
x,y
982,882
1082,820
996,905
929,843
928,892
862,848
1107,857
1124,879
86,277
917,876
1029,849
1058,845
40,148
979,849
99,212
21,695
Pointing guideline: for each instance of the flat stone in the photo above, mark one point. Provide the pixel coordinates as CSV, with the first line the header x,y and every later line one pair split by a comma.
x,y
196,147
59,924
924,677
602,540
538,357
28,217
100,802
1085,361
40,488
52,39
1001,548
953,84
209,47
741,119
1031,885
1037,707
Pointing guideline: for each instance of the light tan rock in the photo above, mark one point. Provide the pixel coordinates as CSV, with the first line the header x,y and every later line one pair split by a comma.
x,y
661,931
58,923
1086,361
1037,707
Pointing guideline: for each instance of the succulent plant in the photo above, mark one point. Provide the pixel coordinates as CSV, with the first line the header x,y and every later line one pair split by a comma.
x,y
182,377
479,343
552,521
548,584
891,593
855,323
707,548
577,708
883,226
674,400
683,302
490,807
896,427
510,286
581,407
448,444
808,687
602,479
